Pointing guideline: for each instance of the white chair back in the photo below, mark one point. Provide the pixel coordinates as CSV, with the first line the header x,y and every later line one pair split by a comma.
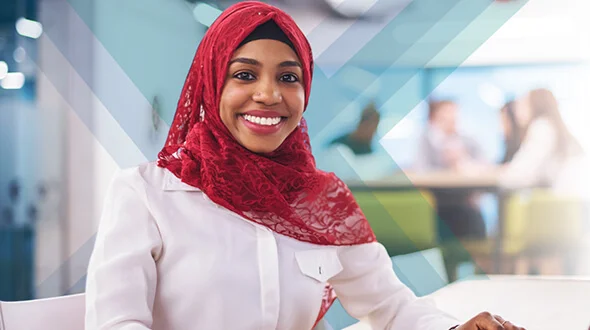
x,y
59,313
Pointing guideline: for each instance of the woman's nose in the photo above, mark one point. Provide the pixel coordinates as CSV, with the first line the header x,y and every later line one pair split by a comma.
x,y
267,93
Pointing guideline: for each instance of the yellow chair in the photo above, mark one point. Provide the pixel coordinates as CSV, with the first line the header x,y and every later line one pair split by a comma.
x,y
555,232
537,226
554,221
404,222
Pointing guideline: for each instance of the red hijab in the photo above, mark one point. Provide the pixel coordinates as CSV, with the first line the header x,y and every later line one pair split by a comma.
x,y
282,190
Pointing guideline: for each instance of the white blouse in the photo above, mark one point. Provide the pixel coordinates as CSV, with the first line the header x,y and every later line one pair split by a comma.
x,y
168,258
537,162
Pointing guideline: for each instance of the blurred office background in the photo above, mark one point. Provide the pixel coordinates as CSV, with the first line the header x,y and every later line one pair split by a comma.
x,y
91,86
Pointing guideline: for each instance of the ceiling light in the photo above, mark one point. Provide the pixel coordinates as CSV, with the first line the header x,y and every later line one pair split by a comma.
x,y
13,80
362,8
29,28
3,69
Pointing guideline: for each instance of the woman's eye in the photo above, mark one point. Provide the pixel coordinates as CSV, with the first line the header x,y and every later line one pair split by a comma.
x,y
244,76
289,78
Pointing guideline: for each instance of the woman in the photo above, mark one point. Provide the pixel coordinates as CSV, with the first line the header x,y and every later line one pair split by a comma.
x,y
548,156
234,227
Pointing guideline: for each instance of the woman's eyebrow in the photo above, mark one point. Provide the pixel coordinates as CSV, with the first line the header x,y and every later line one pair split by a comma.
x,y
289,63
251,61
245,60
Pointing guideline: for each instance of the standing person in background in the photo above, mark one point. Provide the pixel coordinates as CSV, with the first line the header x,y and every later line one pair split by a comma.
x,y
442,147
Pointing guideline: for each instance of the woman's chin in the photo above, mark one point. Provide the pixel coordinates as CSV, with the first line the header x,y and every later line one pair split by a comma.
x,y
260,147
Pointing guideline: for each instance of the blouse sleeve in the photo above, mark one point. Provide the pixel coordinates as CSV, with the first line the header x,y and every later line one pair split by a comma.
x,y
369,289
121,280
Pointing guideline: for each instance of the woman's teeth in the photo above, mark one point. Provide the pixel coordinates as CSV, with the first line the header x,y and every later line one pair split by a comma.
x,y
262,120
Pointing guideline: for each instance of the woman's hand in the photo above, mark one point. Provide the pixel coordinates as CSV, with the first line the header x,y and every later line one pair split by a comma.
x,y
487,321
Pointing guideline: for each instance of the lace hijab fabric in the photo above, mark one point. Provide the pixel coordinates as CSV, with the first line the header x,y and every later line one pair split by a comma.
x,y
282,190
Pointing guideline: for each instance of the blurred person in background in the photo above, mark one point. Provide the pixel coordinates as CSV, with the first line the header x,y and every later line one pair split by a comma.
x,y
511,131
360,141
442,147
549,155
357,155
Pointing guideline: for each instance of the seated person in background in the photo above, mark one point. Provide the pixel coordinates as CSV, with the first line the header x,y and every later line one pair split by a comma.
x,y
356,155
549,155
442,147
360,140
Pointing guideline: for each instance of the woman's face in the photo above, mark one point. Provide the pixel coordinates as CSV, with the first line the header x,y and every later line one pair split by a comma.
x,y
445,118
523,111
506,123
263,96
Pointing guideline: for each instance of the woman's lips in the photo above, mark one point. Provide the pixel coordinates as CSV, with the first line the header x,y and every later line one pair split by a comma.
x,y
262,125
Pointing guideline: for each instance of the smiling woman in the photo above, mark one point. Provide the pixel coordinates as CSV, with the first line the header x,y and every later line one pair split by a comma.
x,y
234,227
263,96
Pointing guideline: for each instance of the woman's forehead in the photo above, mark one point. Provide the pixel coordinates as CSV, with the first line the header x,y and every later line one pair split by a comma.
x,y
265,50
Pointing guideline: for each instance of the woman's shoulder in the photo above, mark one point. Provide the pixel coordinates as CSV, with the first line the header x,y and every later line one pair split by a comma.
x,y
137,175
541,124
148,176
541,129
362,256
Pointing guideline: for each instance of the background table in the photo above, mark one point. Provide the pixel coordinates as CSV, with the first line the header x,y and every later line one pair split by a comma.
x,y
448,181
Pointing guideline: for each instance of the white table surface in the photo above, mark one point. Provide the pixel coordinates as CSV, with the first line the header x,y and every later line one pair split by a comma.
x,y
536,303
